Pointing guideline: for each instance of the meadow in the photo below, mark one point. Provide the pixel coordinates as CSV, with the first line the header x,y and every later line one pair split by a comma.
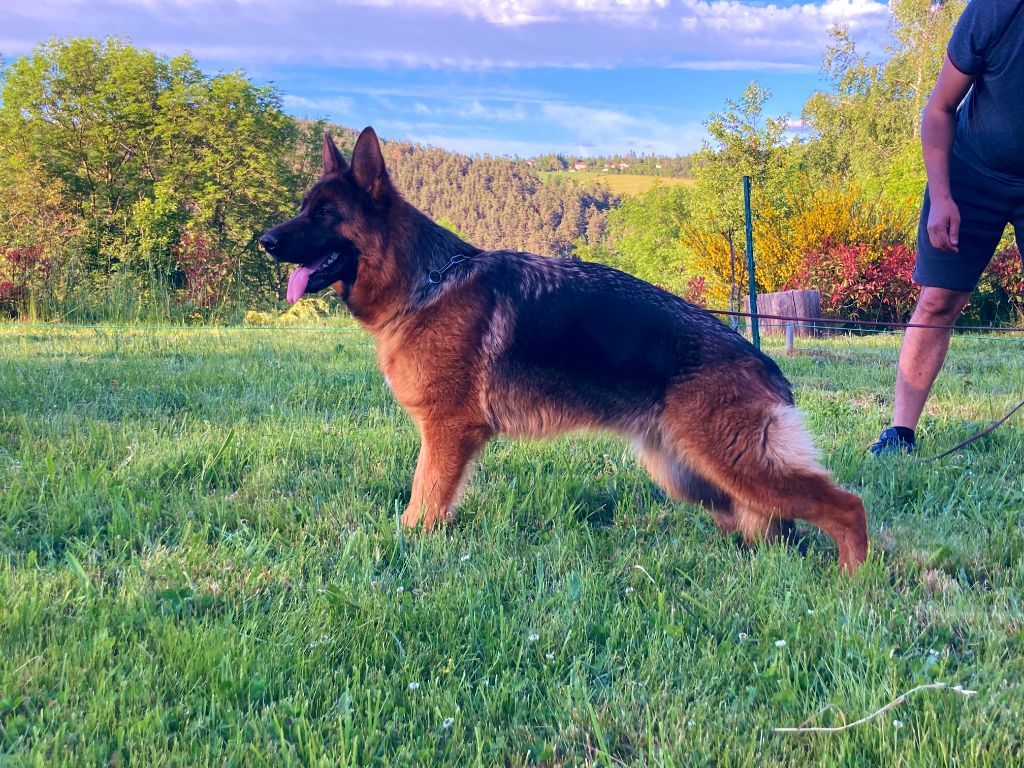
x,y
622,184
200,564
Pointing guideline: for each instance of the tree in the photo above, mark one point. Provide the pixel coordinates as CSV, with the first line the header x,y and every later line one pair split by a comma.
x,y
642,236
146,154
80,114
228,143
867,126
744,142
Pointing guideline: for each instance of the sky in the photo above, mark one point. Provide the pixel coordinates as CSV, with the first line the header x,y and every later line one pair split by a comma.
x,y
499,77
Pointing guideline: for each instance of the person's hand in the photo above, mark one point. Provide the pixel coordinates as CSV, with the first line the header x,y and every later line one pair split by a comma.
x,y
944,225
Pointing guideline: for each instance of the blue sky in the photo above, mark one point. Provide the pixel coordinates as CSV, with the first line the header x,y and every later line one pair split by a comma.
x,y
488,76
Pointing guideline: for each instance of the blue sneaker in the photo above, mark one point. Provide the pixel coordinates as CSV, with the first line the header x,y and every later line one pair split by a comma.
x,y
891,443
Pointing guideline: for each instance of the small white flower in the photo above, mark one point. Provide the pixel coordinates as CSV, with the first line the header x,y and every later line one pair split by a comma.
x,y
689,723
629,590
413,686
780,643
534,637
400,590
464,558
549,656
742,636
897,724
448,723
810,611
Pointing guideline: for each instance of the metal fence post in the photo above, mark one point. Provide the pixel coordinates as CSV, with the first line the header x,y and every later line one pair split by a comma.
x,y
754,330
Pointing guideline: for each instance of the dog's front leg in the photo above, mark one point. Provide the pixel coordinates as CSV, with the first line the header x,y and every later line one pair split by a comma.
x,y
445,453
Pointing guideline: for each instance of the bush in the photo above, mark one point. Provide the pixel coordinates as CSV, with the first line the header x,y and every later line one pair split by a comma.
x,y
207,271
784,237
863,283
1000,294
860,282
697,291
25,277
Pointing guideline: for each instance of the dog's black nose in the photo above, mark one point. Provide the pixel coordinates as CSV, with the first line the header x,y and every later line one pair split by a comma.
x,y
269,242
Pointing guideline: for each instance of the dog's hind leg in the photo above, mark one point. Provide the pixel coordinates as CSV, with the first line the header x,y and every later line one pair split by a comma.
x,y
682,483
446,451
758,452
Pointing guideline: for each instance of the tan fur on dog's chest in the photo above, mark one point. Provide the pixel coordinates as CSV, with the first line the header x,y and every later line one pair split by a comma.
x,y
432,364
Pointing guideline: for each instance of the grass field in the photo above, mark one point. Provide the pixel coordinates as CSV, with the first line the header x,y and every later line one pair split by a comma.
x,y
200,565
618,183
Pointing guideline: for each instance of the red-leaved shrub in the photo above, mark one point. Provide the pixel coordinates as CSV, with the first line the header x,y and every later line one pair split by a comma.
x,y
207,270
1000,294
22,271
697,291
859,282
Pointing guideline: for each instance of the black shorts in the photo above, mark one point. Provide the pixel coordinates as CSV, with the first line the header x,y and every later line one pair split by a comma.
x,y
986,206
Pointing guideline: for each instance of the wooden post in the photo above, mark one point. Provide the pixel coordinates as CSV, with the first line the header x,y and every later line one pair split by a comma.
x,y
789,339
804,304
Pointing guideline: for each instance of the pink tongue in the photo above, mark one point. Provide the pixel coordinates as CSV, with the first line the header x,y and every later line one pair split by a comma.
x,y
299,279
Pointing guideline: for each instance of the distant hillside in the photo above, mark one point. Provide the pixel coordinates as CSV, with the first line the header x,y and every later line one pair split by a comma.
x,y
495,202
619,184
678,166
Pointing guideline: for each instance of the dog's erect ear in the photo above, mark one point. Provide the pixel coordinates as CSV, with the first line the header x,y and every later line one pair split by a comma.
x,y
334,161
368,164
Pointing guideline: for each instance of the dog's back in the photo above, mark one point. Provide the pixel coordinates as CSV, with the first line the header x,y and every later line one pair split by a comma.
x,y
572,343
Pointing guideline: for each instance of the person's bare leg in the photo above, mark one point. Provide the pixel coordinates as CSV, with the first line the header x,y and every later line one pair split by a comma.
x,y
924,352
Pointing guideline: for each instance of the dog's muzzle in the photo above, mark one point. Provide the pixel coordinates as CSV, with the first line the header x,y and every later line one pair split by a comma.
x,y
269,243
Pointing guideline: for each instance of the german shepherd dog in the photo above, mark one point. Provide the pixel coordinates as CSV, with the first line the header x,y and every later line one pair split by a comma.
x,y
478,343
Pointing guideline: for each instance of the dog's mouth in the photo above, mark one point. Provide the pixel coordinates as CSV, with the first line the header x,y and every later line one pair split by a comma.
x,y
317,275
298,282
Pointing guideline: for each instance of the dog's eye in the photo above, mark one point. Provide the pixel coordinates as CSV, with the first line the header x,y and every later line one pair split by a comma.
x,y
324,211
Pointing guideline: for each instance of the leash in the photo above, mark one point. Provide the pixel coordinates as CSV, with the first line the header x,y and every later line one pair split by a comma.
x,y
815,322
976,436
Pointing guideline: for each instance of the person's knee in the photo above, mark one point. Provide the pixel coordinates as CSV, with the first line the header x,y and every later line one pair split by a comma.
x,y
939,304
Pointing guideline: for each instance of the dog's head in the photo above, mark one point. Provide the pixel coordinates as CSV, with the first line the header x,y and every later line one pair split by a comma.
x,y
342,217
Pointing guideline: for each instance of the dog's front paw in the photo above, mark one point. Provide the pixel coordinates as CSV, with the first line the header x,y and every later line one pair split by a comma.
x,y
411,517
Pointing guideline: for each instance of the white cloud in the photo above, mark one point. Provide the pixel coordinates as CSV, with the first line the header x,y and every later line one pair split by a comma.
x,y
464,34
478,110
736,17
741,65
517,12
333,105
601,131
435,136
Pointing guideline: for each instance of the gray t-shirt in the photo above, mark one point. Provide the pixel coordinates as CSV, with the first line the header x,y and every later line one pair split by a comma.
x,y
988,43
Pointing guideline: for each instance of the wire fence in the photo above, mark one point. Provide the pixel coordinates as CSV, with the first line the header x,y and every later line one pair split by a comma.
x,y
831,325
836,326
807,321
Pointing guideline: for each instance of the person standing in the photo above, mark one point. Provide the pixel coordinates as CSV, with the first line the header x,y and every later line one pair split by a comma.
x,y
972,139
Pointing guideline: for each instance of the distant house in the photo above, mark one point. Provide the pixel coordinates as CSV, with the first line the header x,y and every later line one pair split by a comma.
x,y
580,166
